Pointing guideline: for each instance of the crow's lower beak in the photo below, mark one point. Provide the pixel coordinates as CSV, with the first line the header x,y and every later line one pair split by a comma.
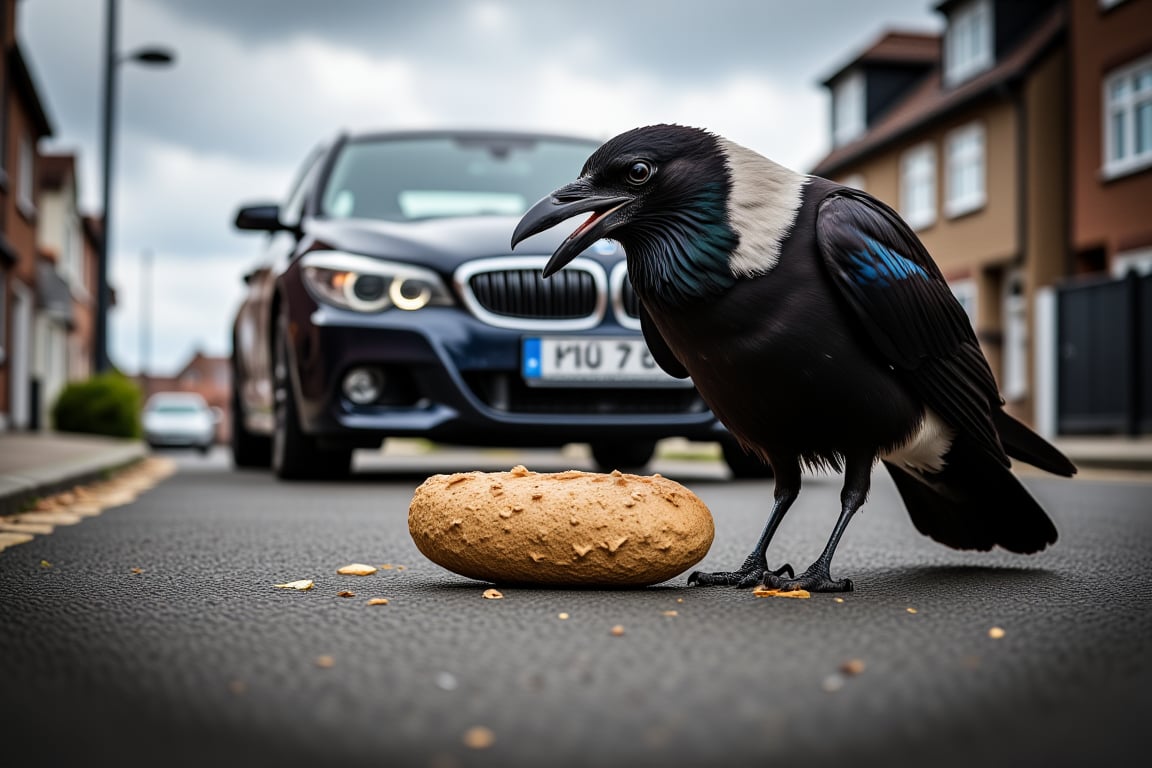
x,y
564,203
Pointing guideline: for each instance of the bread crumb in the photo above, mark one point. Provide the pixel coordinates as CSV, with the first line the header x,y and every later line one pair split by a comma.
x,y
356,569
995,633
325,662
493,594
562,616
301,585
617,630
852,667
762,591
346,593
479,737
911,610
671,613
377,601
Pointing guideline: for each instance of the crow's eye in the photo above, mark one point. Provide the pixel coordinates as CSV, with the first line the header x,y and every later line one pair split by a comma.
x,y
640,172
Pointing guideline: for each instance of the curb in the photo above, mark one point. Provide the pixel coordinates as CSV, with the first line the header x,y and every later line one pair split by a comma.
x,y
17,489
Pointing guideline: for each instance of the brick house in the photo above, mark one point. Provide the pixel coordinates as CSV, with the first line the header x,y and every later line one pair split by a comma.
x,y
966,134
66,280
23,123
1111,92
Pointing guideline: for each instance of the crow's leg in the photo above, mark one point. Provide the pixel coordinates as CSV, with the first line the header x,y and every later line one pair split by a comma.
x,y
857,481
755,571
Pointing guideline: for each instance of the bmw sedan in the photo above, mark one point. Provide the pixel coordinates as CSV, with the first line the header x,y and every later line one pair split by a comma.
x,y
389,304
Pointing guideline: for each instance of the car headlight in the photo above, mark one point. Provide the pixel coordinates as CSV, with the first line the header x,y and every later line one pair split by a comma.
x,y
364,284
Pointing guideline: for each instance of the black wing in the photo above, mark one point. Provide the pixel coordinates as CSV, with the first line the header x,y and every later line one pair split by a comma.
x,y
661,353
906,307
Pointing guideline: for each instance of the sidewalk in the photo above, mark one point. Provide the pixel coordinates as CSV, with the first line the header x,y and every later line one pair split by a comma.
x,y
40,464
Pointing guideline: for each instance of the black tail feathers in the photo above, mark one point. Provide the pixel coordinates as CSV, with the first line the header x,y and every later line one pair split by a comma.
x,y
974,503
1022,443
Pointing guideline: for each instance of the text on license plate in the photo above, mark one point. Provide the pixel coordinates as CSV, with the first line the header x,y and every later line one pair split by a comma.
x,y
549,359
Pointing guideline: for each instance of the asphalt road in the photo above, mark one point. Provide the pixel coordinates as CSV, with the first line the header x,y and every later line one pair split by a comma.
x,y
198,660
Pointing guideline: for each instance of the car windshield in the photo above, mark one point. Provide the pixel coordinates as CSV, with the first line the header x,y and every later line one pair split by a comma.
x,y
404,179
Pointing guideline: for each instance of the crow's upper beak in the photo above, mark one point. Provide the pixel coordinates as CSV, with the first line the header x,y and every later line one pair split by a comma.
x,y
566,202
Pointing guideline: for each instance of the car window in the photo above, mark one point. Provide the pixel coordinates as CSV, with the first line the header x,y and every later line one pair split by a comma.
x,y
293,209
404,179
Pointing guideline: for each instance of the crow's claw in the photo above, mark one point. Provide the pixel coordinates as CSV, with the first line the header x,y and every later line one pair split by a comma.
x,y
752,573
817,579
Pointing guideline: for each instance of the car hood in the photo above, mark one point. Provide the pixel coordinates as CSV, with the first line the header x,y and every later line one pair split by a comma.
x,y
445,244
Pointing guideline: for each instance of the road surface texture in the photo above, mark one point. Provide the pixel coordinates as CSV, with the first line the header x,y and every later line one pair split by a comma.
x,y
197,659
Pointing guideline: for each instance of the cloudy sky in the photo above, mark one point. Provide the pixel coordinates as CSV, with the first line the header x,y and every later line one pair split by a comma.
x,y
258,82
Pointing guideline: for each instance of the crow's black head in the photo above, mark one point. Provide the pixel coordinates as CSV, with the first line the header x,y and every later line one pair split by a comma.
x,y
662,192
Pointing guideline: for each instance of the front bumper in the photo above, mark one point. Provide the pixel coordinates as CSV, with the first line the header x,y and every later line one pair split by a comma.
x,y
457,380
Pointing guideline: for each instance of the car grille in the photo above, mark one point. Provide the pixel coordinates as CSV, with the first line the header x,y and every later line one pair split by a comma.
x,y
524,293
508,392
511,292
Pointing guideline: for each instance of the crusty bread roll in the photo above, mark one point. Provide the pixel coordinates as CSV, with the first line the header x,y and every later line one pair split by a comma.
x,y
560,529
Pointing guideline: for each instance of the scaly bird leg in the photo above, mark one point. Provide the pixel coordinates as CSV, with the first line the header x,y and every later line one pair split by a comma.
x,y
857,482
755,570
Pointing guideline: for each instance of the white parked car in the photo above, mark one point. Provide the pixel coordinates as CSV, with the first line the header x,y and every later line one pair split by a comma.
x,y
180,420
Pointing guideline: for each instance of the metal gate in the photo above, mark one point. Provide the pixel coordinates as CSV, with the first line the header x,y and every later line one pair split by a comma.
x,y
1104,365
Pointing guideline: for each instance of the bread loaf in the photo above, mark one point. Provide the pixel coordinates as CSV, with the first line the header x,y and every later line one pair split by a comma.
x,y
560,529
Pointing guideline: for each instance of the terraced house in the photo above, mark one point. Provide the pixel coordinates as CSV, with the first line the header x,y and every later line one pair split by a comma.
x,y
1003,143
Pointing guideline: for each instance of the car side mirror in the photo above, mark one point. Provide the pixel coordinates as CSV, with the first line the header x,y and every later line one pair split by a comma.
x,y
261,218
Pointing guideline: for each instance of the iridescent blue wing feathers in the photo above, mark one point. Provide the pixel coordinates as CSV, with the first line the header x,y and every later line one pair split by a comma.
x,y
908,311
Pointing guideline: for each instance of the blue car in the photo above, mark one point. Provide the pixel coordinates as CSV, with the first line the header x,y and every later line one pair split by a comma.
x,y
390,304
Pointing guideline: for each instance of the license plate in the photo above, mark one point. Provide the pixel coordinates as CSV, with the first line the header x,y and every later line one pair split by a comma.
x,y
592,361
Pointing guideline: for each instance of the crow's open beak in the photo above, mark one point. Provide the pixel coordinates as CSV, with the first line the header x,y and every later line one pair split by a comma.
x,y
566,202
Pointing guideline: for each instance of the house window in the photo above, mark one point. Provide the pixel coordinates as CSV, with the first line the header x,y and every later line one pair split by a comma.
x,y
854,180
26,169
3,320
918,186
968,41
965,293
1015,383
964,170
1128,119
848,108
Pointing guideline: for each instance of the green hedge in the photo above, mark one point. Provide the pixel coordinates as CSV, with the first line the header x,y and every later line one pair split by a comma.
x,y
106,404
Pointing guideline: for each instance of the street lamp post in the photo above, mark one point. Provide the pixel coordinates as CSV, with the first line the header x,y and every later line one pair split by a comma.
x,y
150,56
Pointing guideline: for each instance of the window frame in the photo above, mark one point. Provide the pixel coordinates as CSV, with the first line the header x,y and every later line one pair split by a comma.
x,y
1129,161
971,22
848,108
26,176
956,160
910,177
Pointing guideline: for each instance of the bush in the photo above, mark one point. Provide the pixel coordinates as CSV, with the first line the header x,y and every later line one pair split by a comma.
x,y
106,404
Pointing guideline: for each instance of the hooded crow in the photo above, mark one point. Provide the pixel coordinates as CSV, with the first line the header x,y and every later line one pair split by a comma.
x,y
818,329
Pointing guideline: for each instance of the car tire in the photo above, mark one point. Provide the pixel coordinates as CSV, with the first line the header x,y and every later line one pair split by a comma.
x,y
744,465
296,455
630,457
249,450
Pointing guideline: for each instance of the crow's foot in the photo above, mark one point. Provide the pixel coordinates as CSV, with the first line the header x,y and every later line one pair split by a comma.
x,y
753,573
816,579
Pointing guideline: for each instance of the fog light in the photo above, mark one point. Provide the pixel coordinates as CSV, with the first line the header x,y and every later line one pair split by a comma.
x,y
363,385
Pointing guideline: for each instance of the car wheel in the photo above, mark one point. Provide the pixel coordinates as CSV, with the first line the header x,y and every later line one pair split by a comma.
x,y
626,457
296,455
743,465
249,450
